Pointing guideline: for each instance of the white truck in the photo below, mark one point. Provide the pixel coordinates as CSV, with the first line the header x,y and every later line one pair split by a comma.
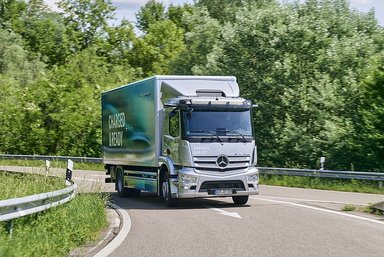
x,y
180,137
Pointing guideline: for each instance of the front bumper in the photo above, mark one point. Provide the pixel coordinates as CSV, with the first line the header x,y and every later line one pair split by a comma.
x,y
190,184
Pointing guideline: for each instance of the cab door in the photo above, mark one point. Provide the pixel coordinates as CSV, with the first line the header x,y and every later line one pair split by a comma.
x,y
172,137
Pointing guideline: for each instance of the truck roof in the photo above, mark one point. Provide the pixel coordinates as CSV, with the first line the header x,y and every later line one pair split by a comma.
x,y
190,85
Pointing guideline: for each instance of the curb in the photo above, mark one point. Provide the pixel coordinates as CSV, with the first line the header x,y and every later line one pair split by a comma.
x,y
119,226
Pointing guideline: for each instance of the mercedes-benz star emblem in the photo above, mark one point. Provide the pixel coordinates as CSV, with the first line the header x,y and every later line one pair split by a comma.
x,y
222,161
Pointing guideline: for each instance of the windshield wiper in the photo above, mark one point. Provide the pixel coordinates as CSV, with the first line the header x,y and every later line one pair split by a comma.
x,y
207,131
238,133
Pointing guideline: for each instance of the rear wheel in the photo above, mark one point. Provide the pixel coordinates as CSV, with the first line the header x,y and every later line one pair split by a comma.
x,y
123,191
243,199
166,192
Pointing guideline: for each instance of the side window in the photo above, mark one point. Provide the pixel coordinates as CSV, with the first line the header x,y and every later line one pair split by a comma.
x,y
174,123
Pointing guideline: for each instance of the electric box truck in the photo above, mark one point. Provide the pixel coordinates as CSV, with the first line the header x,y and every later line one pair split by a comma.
x,y
180,137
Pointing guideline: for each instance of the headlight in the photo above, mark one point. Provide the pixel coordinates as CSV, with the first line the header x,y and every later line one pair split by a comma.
x,y
186,180
254,178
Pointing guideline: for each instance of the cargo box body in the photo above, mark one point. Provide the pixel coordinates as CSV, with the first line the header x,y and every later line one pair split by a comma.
x,y
132,115
130,124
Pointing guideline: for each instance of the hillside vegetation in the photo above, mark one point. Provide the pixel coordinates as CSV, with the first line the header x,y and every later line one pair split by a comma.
x,y
315,69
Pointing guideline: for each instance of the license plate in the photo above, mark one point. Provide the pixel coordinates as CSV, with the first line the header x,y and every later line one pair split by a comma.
x,y
223,192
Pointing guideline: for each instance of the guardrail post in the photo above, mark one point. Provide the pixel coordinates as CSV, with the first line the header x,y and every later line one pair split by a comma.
x,y
380,184
9,227
68,175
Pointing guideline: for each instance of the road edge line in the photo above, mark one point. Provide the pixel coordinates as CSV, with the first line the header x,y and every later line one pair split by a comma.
x,y
123,233
322,210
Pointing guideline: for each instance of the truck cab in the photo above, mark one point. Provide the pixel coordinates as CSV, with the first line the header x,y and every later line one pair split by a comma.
x,y
209,141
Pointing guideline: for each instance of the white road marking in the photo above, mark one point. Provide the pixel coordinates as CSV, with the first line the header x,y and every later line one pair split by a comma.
x,y
226,213
118,240
87,179
308,200
320,209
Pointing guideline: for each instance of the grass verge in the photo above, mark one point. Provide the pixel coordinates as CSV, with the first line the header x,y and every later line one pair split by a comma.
x,y
346,185
366,209
56,231
14,184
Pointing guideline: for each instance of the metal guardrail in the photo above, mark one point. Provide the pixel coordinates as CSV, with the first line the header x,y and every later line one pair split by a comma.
x,y
359,175
49,158
11,209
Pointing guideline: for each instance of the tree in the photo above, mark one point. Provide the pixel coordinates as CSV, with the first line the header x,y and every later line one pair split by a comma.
x,y
202,33
44,33
21,130
155,51
303,71
86,20
151,13
225,10
368,142
10,12
117,46
72,102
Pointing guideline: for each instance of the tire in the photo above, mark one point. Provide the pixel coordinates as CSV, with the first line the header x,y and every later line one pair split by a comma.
x,y
166,192
240,200
123,191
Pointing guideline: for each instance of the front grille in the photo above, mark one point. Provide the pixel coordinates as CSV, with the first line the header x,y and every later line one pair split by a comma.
x,y
236,185
208,163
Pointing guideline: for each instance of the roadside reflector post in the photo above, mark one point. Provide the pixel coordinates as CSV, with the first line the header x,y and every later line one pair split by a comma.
x,y
47,165
322,160
68,175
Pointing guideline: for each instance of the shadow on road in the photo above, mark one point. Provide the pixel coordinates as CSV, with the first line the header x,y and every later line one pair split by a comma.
x,y
150,201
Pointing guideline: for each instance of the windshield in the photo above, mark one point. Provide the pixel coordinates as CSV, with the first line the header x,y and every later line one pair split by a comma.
x,y
217,124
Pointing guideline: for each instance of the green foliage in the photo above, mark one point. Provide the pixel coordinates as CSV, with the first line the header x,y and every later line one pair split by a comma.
x,y
117,47
225,10
149,14
314,67
86,20
202,34
155,51
18,71
302,64
44,33
368,142
73,123
10,12
349,207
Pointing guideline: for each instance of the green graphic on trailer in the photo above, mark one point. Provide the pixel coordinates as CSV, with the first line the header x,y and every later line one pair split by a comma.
x,y
128,120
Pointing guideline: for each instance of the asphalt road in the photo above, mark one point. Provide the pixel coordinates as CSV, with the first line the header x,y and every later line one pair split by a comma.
x,y
269,226
279,222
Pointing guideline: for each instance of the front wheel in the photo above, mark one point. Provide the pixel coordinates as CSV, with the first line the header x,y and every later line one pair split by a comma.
x,y
243,199
166,192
